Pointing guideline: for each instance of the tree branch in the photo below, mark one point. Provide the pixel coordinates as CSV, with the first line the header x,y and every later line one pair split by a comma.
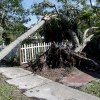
x,y
94,7
88,60
74,38
85,39
86,32
51,6
91,4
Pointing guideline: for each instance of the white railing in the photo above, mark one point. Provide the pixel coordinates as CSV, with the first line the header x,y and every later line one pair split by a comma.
x,y
29,52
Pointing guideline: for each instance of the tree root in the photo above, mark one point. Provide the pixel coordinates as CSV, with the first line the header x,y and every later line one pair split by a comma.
x,y
56,57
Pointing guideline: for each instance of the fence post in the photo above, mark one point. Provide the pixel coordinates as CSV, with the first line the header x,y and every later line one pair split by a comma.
x,y
20,56
30,51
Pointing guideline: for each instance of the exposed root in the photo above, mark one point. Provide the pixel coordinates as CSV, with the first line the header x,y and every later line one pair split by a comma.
x,y
57,57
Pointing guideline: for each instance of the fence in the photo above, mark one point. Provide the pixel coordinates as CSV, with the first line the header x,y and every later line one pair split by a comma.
x,y
30,51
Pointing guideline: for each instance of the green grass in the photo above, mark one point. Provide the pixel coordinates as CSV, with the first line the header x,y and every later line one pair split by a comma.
x,y
94,89
8,92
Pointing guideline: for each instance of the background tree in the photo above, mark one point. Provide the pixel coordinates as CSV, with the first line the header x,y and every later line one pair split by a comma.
x,y
12,17
1,32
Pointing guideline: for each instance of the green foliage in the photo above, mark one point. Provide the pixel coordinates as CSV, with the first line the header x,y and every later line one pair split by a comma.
x,y
42,8
12,17
70,16
57,29
88,17
86,14
96,38
94,89
12,11
1,30
8,92
4,93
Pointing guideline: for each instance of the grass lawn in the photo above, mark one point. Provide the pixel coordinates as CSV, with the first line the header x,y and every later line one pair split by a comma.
x,y
8,92
93,89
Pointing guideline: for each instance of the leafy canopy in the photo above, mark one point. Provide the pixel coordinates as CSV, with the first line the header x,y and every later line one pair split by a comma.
x,y
12,17
76,15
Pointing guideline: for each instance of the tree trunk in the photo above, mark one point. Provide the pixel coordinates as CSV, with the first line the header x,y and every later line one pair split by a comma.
x,y
74,38
86,39
11,46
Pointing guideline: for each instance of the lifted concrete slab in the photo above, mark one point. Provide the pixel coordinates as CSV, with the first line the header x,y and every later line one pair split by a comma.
x,y
14,72
56,91
29,81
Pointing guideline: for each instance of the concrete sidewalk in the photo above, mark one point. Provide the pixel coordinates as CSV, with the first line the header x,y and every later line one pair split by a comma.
x,y
41,88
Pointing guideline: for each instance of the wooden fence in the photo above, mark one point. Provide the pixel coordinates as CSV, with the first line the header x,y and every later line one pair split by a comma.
x,y
30,52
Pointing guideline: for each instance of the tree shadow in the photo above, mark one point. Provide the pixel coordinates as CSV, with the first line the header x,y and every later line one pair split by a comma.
x,y
91,72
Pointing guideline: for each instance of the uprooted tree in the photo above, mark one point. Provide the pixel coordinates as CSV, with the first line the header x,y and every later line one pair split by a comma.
x,y
67,24
76,27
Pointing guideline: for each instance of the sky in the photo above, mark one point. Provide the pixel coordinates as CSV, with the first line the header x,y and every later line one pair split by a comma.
x,y
27,4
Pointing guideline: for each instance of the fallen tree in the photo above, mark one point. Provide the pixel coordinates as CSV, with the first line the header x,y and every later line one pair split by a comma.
x,y
69,56
57,57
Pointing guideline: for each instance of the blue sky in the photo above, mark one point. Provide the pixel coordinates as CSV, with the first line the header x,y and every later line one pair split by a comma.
x,y
27,4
